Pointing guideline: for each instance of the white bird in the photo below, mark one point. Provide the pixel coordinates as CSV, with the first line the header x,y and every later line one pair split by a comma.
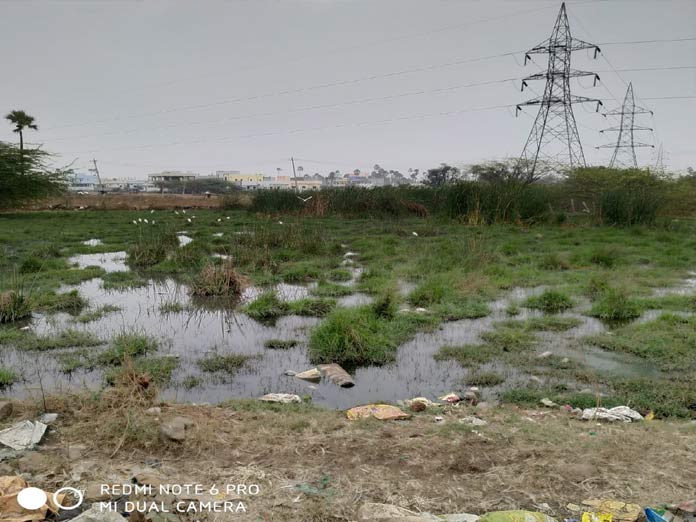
x,y
152,212
135,222
184,211
304,200
176,212
188,219
193,217
228,217
145,220
153,221
280,222
219,220
140,220
415,233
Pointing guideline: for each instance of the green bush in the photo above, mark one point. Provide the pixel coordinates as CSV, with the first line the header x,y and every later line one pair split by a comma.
x,y
550,301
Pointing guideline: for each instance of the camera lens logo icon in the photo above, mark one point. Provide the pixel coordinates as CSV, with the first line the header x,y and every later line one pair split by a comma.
x,y
35,498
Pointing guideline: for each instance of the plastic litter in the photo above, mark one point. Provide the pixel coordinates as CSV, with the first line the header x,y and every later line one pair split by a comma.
x,y
23,435
617,414
619,510
427,403
451,398
284,398
378,411
336,375
596,517
516,516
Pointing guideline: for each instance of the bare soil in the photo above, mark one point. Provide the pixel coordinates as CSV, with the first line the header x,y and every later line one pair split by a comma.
x,y
316,465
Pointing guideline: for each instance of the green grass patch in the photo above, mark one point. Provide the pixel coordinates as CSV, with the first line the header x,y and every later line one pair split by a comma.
x,y
266,308
13,307
551,323
668,342
481,378
126,345
280,344
66,339
327,289
311,307
122,281
550,301
229,364
616,305
357,336
97,314
70,302
7,377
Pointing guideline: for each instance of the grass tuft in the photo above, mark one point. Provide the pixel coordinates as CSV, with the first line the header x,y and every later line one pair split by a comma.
x,y
550,301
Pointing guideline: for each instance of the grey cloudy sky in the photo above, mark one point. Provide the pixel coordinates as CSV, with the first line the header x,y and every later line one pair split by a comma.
x,y
243,85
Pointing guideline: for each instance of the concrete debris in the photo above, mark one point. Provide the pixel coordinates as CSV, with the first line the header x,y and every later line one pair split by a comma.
x,y
48,418
337,375
23,435
285,398
175,429
617,414
473,421
96,514
548,403
313,375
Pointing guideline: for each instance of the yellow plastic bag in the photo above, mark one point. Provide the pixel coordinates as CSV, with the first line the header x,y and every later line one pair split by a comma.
x,y
589,516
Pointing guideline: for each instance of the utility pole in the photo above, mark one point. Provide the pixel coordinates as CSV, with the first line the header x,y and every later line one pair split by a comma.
x,y
100,188
554,143
625,149
294,174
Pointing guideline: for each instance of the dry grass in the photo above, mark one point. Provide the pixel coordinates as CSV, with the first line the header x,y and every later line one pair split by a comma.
x,y
218,280
314,464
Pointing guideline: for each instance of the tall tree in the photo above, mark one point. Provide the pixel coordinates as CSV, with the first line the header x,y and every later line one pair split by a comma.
x,y
21,120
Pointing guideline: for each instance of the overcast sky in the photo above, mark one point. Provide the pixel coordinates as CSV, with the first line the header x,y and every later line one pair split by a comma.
x,y
144,86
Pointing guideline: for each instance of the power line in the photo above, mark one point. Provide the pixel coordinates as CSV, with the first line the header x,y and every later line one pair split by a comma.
x,y
299,130
300,109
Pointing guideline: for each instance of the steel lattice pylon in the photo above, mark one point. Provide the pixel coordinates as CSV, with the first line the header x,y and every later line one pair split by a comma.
x,y
554,144
625,148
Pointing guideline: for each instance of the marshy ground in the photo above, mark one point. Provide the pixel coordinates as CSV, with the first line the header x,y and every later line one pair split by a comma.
x,y
214,306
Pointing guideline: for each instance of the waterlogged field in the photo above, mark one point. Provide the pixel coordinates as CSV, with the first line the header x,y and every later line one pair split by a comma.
x,y
214,305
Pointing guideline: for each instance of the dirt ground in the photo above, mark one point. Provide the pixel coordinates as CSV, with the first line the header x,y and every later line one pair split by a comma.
x,y
126,202
316,465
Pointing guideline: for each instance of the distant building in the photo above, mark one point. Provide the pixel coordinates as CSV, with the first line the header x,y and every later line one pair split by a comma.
x,y
239,178
81,182
171,175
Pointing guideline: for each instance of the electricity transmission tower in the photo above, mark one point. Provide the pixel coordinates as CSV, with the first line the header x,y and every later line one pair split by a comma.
x,y
625,148
553,143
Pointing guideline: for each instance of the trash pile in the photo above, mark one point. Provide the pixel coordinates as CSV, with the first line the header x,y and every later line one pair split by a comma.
x,y
591,510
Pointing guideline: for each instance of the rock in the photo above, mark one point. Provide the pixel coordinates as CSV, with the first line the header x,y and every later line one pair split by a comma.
x,y
374,511
5,409
155,410
545,355
289,373
32,462
175,429
94,514
75,452
471,397
336,375
417,406
459,517
619,413
378,411
93,493
313,375
473,421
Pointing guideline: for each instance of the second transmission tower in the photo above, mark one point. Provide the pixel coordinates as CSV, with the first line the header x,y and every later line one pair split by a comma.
x,y
625,149
554,143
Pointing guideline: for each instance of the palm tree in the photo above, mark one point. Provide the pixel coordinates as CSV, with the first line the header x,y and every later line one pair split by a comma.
x,y
21,120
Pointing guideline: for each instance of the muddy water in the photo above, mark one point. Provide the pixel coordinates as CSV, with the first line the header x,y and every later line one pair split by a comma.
x,y
206,328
